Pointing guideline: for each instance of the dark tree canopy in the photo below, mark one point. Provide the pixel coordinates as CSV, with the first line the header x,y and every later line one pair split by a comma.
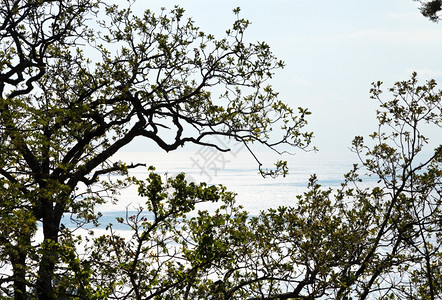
x,y
431,9
81,79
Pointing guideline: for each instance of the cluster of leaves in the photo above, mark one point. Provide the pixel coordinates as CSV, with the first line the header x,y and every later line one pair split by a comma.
x,y
357,242
431,9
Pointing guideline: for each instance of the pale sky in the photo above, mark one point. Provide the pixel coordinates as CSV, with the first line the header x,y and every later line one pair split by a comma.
x,y
333,50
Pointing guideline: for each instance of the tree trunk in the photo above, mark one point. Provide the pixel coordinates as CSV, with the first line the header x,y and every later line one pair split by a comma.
x,y
45,281
18,260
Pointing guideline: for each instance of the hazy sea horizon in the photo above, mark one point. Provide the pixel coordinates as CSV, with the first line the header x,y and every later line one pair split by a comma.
x,y
238,171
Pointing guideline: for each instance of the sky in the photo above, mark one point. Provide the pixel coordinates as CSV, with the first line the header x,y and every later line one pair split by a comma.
x,y
333,50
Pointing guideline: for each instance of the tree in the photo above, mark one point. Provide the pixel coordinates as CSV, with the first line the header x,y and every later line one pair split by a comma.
x,y
381,240
430,9
74,91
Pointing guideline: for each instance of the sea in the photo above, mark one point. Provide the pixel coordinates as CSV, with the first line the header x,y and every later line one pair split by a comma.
x,y
238,171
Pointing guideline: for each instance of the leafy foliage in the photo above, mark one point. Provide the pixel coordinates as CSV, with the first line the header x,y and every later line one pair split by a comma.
x,y
431,9
380,240
63,115
73,91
